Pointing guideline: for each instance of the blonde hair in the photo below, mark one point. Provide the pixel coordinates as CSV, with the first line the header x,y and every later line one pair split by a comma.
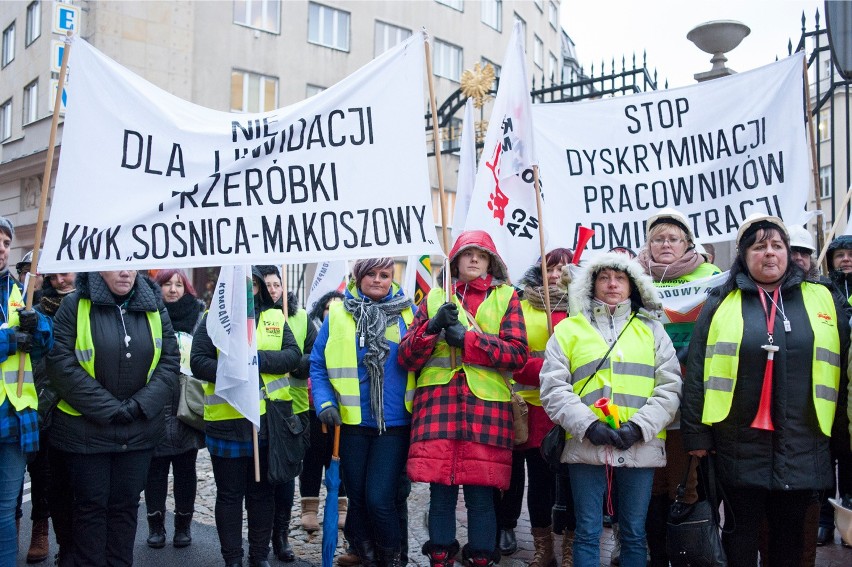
x,y
661,226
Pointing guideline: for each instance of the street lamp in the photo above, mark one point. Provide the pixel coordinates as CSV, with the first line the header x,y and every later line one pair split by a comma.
x,y
838,21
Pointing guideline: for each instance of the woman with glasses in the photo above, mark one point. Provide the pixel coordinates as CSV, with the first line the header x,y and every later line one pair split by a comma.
x,y
671,259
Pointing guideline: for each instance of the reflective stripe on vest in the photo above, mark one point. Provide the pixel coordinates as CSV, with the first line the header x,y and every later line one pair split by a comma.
x,y
9,367
84,345
298,322
485,383
536,324
628,376
721,360
341,361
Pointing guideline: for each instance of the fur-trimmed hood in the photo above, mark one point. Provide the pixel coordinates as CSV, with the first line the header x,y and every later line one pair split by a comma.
x,y
581,290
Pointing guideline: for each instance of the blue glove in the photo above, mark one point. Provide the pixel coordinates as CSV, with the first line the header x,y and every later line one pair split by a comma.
x,y
628,434
330,416
599,433
454,334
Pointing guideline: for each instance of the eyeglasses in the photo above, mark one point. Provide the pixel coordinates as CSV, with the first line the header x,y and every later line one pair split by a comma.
x,y
669,241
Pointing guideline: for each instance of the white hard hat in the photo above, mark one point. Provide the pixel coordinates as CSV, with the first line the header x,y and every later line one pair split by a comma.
x,y
842,519
671,216
801,238
760,218
700,249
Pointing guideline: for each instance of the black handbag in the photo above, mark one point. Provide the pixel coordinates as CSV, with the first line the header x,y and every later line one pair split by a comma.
x,y
552,445
289,437
692,530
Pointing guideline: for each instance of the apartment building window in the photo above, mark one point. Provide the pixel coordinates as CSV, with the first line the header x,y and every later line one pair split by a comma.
x,y
311,90
825,182
31,102
824,125
485,61
6,120
258,14
328,26
447,60
552,66
387,36
252,92
454,4
33,22
523,29
539,4
8,44
492,14
538,52
553,14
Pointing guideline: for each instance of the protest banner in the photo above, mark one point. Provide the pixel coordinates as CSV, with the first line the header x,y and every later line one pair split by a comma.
x,y
717,152
149,180
329,276
467,170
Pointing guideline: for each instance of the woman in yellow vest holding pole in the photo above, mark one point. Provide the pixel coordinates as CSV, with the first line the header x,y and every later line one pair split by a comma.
x,y
611,350
462,425
115,366
229,434
357,383
765,392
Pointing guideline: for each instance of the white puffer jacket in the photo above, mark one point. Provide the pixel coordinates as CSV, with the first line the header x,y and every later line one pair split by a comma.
x,y
564,406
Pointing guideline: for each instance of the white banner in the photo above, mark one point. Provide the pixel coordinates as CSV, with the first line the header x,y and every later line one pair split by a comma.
x,y
717,152
147,180
682,303
467,170
329,276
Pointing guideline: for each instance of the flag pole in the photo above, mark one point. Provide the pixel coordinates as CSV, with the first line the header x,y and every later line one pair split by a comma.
x,y
284,303
45,188
256,453
436,140
541,247
814,165
833,230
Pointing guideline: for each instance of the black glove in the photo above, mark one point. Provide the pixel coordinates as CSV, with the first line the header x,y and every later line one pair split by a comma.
x,y
330,416
23,341
628,434
447,314
454,334
127,412
599,433
28,320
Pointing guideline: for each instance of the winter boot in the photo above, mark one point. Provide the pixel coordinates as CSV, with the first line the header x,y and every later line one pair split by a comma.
x,y
390,557
366,553
568,549
39,544
441,555
281,547
310,505
342,507
478,558
615,557
403,533
543,546
183,529
156,530
349,558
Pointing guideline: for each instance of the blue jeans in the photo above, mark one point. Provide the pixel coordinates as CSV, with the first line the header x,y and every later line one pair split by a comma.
x,y
12,464
371,465
633,485
481,518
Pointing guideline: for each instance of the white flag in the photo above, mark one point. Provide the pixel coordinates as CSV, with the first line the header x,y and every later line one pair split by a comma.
x,y
467,170
503,201
231,326
330,276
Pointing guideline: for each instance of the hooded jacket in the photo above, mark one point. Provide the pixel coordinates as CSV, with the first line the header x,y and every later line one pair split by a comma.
x,y
121,369
842,280
566,408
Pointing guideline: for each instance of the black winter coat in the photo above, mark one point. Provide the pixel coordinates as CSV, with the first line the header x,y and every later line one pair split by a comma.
x,y
120,370
795,456
204,363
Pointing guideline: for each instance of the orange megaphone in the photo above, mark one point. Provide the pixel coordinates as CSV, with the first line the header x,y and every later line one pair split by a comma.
x,y
583,236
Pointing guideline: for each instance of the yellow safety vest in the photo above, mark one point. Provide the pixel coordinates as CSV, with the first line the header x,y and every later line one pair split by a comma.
x,y
537,337
9,367
627,377
84,346
722,358
270,336
299,386
341,360
485,382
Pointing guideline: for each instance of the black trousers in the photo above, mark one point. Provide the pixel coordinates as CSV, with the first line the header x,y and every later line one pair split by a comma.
x,y
540,492
185,482
235,483
107,487
61,500
317,456
784,513
39,469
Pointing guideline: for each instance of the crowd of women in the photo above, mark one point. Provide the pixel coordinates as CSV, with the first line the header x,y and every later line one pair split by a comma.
x,y
425,394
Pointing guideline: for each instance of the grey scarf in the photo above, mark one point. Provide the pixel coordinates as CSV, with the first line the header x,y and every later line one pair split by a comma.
x,y
371,320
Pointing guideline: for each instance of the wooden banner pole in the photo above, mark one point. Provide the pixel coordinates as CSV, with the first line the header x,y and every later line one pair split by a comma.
x,y
45,188
546,287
